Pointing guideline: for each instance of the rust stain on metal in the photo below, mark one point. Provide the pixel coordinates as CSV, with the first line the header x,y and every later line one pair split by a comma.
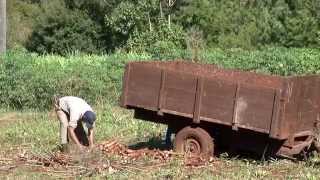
x,y
241,108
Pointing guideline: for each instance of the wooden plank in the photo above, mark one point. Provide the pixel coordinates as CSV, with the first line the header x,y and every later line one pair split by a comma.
x,y
144,86
308,104
180,101
275,126
212,120
180,92
125,85
287,114
162,92
177,113
218,100
198,101
235,106
295,103
254,107
182,81
253,128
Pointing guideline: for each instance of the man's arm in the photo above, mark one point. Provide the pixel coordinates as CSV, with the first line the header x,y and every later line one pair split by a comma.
x,y
90,138
74,116
74,137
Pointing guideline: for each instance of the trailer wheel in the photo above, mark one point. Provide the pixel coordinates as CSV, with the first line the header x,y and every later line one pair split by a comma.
x,y
194,141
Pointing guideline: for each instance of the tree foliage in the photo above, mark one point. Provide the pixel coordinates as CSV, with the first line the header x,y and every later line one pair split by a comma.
x,y
20,23
143,25
62,30
253,23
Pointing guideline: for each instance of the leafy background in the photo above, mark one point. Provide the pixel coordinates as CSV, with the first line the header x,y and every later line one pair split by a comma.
x,y
64,26
29,80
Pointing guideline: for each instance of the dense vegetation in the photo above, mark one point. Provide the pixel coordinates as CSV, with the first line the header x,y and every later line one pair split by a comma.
x,y
30,80
248,34
80,48
154,26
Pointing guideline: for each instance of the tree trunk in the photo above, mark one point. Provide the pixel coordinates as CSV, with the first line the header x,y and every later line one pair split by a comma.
x,y
149,20
161,13
169,18
3,26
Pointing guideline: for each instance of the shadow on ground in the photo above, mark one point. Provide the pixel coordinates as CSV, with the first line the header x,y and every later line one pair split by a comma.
x,y
158,143
152,143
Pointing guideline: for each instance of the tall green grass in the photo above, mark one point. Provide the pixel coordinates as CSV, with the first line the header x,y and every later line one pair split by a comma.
x,y
276,61
28,81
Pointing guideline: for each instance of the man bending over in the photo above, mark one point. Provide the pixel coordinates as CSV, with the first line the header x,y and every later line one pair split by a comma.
x,y
72,112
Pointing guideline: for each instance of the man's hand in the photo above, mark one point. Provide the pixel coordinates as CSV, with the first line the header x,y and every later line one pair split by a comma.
x,y
82,148
74,137
56,107
90,138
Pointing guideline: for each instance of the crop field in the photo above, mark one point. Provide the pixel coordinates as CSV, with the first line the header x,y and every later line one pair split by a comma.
x,y
126,148
26,134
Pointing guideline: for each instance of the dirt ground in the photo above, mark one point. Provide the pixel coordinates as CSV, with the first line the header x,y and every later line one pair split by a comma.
x,y
108,156
26,153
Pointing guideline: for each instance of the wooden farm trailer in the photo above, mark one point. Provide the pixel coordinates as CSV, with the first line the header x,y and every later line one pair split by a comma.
x,y
210,108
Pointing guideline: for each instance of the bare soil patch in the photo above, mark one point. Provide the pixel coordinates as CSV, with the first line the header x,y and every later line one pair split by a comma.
x,y
109,157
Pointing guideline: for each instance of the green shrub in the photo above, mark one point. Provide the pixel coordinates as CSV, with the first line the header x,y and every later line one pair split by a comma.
x,y
277,61
162,40
28,81
21,18
61,30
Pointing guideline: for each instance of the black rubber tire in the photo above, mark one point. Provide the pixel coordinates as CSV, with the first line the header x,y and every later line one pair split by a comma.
x,y
197,135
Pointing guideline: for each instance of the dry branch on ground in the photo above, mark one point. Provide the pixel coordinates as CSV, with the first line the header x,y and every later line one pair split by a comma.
x,y
97,161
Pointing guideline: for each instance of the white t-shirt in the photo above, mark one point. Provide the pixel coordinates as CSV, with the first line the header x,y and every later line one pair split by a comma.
x,y
75,106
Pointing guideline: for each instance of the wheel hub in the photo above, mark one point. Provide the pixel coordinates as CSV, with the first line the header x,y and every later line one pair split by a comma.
x,y
192,146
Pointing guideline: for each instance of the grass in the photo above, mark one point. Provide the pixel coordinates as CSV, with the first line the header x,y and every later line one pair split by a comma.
x,y
28,81
38,132
41,129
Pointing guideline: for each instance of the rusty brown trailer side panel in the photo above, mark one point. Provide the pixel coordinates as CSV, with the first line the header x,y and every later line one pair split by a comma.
x,y
300,112
232,98
285,108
